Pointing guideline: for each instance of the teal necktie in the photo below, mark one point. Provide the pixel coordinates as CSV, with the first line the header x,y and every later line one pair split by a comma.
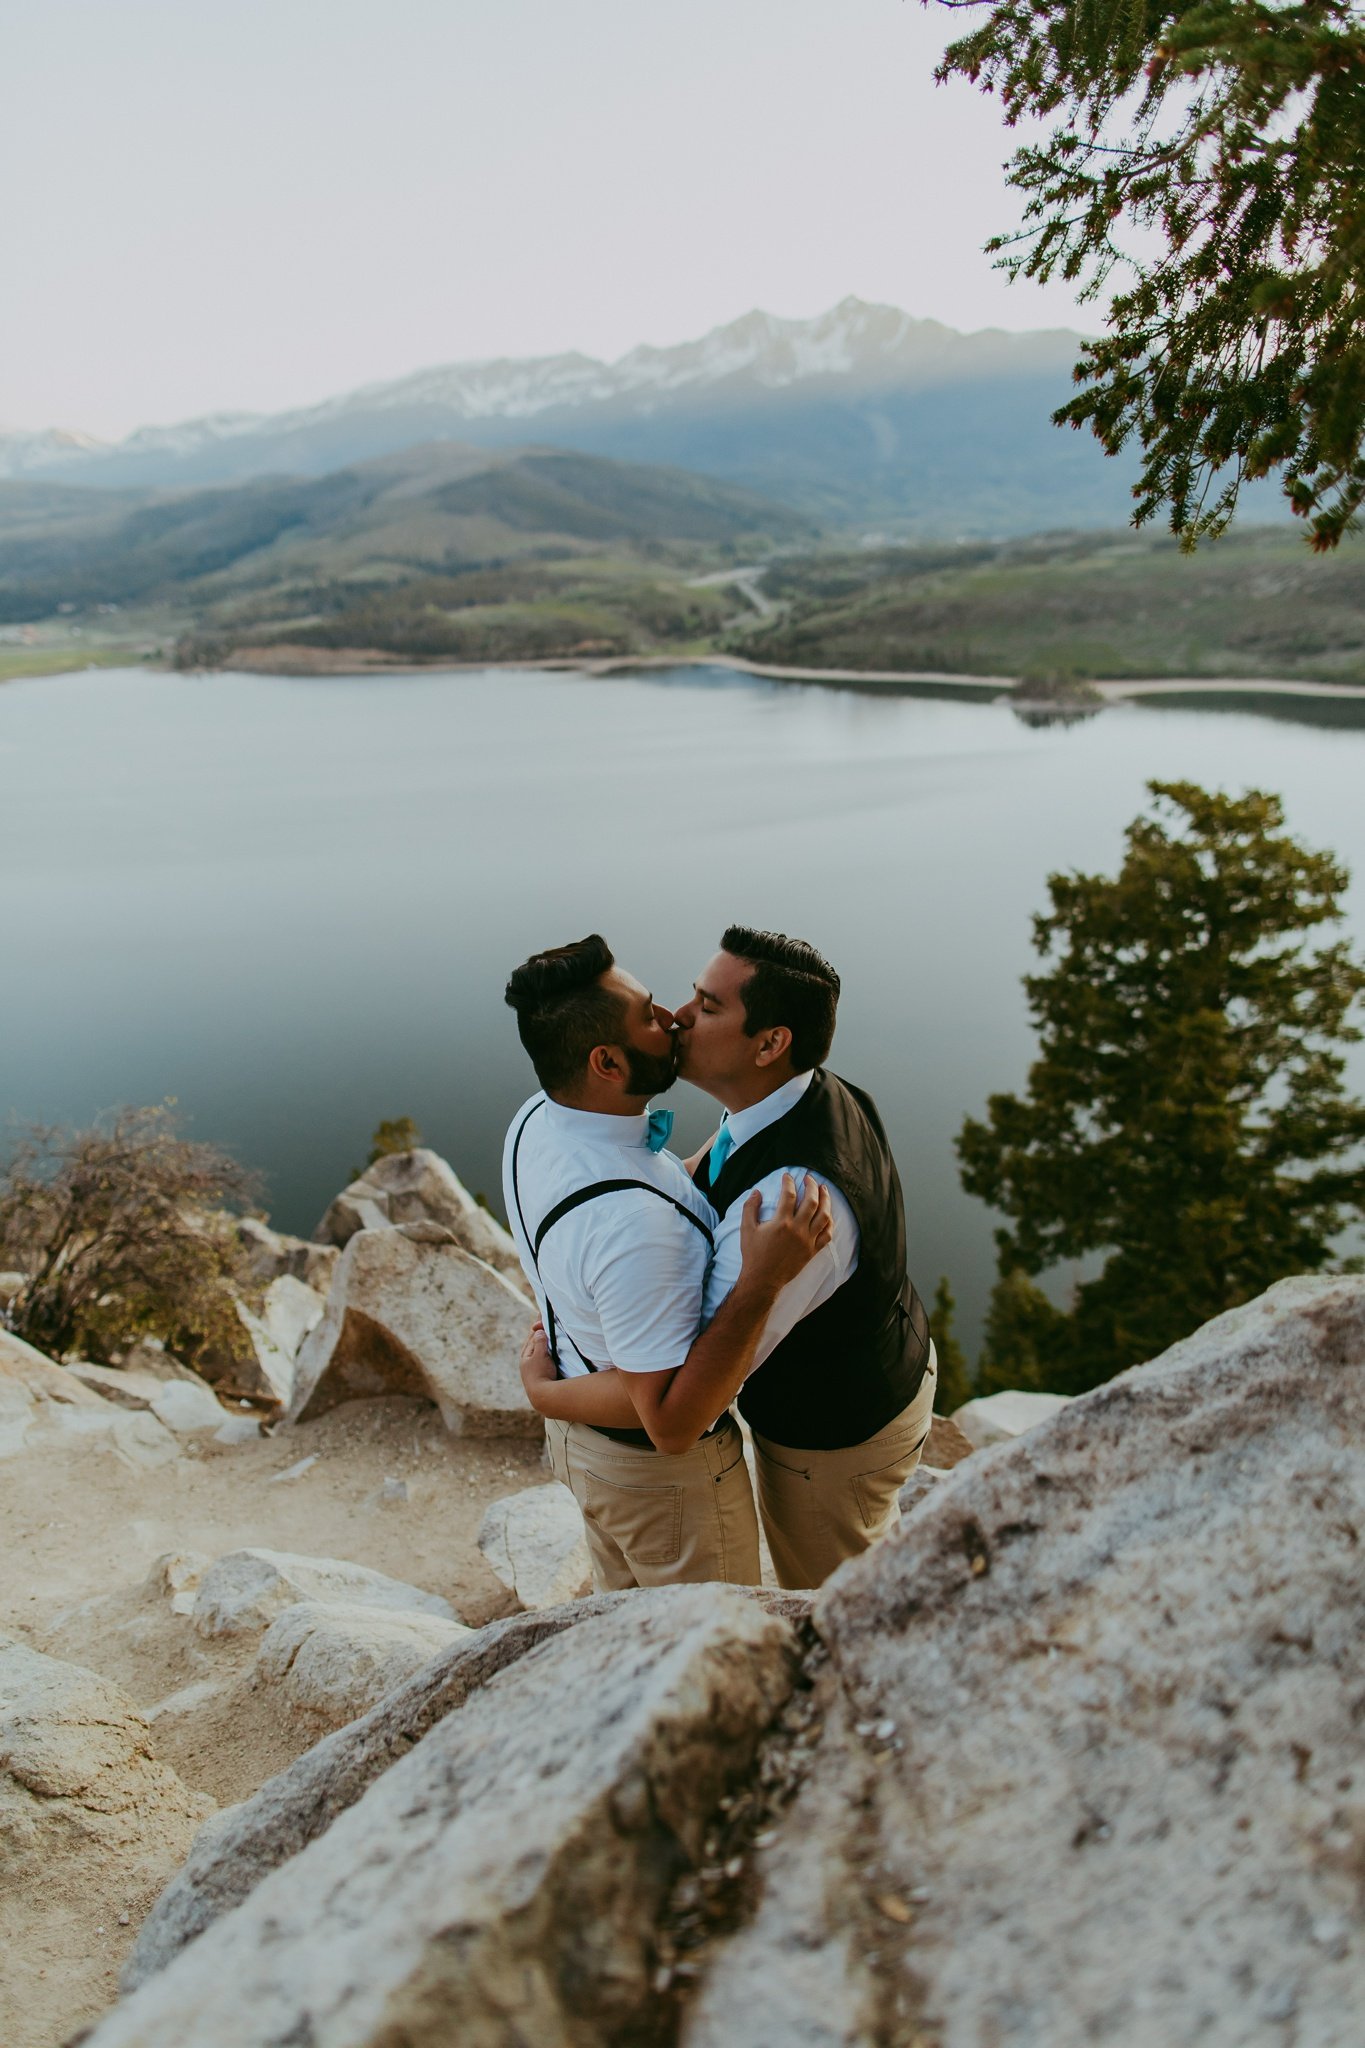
x,y
659,1129
720,1152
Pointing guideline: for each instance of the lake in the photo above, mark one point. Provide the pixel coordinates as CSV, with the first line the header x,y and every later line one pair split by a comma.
x,y
292,904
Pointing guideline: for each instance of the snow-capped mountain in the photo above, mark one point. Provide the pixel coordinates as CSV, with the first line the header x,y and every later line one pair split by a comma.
x,y
22,452
854,415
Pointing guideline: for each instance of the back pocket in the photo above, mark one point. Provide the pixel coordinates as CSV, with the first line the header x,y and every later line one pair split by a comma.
x,y
643,1521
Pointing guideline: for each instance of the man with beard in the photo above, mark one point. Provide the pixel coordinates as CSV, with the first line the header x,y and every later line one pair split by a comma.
x,y
841,1395
615,1239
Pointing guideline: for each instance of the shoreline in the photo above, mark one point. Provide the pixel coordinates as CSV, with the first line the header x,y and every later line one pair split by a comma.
x,y
299,662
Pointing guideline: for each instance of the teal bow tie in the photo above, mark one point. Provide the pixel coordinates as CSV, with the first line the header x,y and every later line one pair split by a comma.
x,y
660,1129
720,1152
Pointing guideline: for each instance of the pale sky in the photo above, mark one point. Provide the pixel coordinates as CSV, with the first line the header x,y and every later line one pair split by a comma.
x,y
249,204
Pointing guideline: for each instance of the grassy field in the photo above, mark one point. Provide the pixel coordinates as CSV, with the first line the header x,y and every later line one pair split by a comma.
x,y
60,660
1256,603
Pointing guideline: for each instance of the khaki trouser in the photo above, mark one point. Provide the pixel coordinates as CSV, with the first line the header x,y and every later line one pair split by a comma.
x,y
656,1520
821,1507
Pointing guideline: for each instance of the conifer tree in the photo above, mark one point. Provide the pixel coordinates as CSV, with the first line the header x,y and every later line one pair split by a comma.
x,y
1214,150
1186,1117
954,1378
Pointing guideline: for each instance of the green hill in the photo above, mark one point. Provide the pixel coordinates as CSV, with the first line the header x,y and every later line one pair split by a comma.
x,y
428,509
1256,603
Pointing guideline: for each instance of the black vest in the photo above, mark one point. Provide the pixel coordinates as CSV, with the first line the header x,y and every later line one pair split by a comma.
x,y
851,1365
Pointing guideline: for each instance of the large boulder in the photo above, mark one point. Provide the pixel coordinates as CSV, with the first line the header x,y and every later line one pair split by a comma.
x,y
234,1851
502,1881
419,1187
999,1418
36,1395
413,1317
534,1542
252,1366
183,1402
271,1255
243,1592
1091,1760
334,1660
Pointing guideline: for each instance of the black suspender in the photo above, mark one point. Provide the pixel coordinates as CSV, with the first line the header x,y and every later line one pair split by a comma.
x,y
576,1201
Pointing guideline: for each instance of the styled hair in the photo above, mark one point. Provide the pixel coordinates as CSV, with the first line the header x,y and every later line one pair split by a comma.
x,y
791,984
562,1011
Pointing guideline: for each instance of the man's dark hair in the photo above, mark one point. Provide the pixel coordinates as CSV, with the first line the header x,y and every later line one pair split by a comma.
x,y
791,984
562,1012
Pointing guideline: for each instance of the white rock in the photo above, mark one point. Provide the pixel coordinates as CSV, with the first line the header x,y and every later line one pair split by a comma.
x,y
271,1255
502,1881
142,1441
534,1542
996,1418
36,1394
253,1366
185,1703
245,1590
1122,1657
125,1389
175,1577
291,1310
923,1481
424,1319
238,1429
185,1408
334,1660
10,1283
419,1187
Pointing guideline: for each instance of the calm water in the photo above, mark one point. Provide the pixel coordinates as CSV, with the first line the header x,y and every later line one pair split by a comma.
x,y
292,904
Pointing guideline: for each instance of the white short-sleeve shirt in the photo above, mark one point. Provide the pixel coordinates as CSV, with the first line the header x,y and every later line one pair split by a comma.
x,y
625,1271
826,1272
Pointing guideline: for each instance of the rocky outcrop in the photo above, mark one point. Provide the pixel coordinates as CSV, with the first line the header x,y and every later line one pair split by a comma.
x,y
1077,1760
243,1592
234,1851
183,1403
253,1366
334,1660
534,1542
999,1418
407,1317
271,1255
501,1881
1090,1768
946,1445
419,1187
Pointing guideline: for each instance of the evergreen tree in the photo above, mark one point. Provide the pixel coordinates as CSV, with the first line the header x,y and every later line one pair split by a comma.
x,y
1216,150
954,1377
395,1134
1186,1115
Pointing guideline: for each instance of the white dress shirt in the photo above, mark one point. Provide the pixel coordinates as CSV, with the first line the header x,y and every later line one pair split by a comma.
x,y
625,1271
826,1272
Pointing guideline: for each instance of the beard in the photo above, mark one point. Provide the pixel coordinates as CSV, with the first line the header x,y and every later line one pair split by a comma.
x,y
650,1073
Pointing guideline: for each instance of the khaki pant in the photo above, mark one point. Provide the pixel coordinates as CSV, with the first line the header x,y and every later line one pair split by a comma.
x,y
822,1507
653,1520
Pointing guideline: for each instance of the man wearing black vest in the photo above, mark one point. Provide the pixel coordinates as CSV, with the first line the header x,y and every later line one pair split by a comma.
x,y
841,1398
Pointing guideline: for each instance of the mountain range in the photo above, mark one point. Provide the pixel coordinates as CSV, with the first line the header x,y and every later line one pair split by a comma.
x,y
859,417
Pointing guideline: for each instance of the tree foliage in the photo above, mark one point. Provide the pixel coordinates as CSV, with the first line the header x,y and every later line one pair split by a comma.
x,y
1216,148
954,1376
121,1231
1186,1116
394,1134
